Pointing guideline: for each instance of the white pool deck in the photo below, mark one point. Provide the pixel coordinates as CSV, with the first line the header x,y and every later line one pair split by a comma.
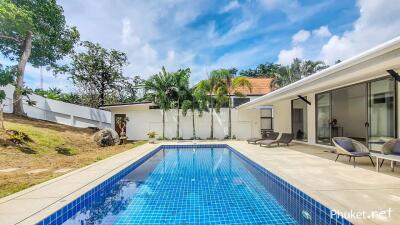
x,y
337,185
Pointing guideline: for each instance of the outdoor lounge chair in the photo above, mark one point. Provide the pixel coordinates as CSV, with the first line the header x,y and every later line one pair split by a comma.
x,y
285,138
351,148
269,136
391,147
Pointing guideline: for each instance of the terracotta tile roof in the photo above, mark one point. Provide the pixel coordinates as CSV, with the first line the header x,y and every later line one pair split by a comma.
x,y
260,86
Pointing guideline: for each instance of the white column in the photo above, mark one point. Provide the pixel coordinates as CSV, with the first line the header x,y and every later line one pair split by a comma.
x,y
311,119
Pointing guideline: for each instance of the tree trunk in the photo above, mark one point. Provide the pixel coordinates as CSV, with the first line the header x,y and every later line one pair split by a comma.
x,y
194,129
230,118
102,90
1,116
163,124
177,125
26,52
212,122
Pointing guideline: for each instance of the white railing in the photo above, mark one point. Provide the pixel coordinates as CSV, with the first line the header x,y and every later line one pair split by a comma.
x,y
59,112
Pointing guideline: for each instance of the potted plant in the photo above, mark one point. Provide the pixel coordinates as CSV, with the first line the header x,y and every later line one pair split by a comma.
x,y
152,136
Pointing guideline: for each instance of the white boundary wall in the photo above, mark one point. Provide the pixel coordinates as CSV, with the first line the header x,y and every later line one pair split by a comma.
x,y
245,123
60,112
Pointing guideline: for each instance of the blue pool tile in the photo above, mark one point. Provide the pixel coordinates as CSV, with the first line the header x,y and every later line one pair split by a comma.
x,y
194,184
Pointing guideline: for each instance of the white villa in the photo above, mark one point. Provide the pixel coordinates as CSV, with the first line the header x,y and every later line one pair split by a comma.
x,y
356,98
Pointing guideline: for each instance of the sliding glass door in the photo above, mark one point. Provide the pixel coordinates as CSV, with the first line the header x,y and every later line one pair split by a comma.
x,y
323,109
381,112
365,112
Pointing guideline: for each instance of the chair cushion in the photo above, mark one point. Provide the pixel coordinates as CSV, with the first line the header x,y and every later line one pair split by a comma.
x,y
360,153
396,148
346,144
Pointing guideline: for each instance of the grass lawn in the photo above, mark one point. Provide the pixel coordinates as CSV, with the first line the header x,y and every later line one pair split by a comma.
x,y
52,147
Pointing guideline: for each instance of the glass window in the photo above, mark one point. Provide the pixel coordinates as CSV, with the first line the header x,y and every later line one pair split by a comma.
x,y
240,101
266,120
323,110
382,112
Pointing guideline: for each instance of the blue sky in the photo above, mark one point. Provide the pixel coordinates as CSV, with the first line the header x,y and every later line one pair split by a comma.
x,y
205,35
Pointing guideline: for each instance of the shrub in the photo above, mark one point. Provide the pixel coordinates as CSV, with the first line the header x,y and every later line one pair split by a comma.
x,y
68,151
152,134
18,137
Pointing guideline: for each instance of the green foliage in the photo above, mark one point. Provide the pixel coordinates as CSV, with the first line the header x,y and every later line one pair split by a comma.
x,y
52,38
159,89
15,22
262,70
97,70
151,134
129,90
66,150
57,94
296,71
6,77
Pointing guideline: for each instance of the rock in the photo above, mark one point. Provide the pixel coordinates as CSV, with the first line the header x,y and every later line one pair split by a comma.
x,y
106,137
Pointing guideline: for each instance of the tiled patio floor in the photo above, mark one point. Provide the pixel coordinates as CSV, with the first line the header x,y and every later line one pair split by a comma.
x,y
363,162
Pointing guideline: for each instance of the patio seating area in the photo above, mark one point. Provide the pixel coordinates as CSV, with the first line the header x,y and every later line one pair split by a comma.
x,y
361,162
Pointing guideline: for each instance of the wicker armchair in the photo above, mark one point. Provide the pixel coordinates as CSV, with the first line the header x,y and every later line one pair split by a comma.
x,y
389,148
357,149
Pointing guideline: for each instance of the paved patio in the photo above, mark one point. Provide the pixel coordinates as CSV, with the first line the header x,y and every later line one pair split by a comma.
x,y
336,184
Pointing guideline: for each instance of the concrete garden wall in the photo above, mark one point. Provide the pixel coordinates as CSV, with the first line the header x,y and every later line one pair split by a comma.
x,y
60,112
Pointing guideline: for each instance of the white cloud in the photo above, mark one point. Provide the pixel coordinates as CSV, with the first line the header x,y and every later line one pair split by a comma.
x,y
126,34
322,32
294,10
378,22
230,6
234,34
300,36
286,57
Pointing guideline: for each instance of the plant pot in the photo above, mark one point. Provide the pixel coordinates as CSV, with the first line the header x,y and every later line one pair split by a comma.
x,y
152,140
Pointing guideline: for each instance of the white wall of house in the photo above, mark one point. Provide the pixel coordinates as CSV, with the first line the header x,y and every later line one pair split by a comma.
x,y
60,112
245,123
282,116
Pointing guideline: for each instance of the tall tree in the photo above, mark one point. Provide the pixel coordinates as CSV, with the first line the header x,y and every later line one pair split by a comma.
x,y
227,87
297,70
33,31
204,91
98,70
283,77
193,104
262,70
181,89
159,88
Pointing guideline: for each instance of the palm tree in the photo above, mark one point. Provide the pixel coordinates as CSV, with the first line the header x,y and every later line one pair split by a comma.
x,y
204,94
309,67
227,87
297,70
193,104
159,88
181,89
283,77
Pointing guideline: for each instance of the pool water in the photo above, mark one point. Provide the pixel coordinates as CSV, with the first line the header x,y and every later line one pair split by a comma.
x,y
186,186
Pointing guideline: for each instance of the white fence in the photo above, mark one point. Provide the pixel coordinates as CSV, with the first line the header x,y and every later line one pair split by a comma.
x,y
60,112
245,123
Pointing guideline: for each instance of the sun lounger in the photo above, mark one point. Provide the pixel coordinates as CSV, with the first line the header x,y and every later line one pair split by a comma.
x,y
285,138
270,136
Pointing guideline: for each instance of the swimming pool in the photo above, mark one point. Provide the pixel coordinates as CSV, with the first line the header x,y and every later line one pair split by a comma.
x,y
194,184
